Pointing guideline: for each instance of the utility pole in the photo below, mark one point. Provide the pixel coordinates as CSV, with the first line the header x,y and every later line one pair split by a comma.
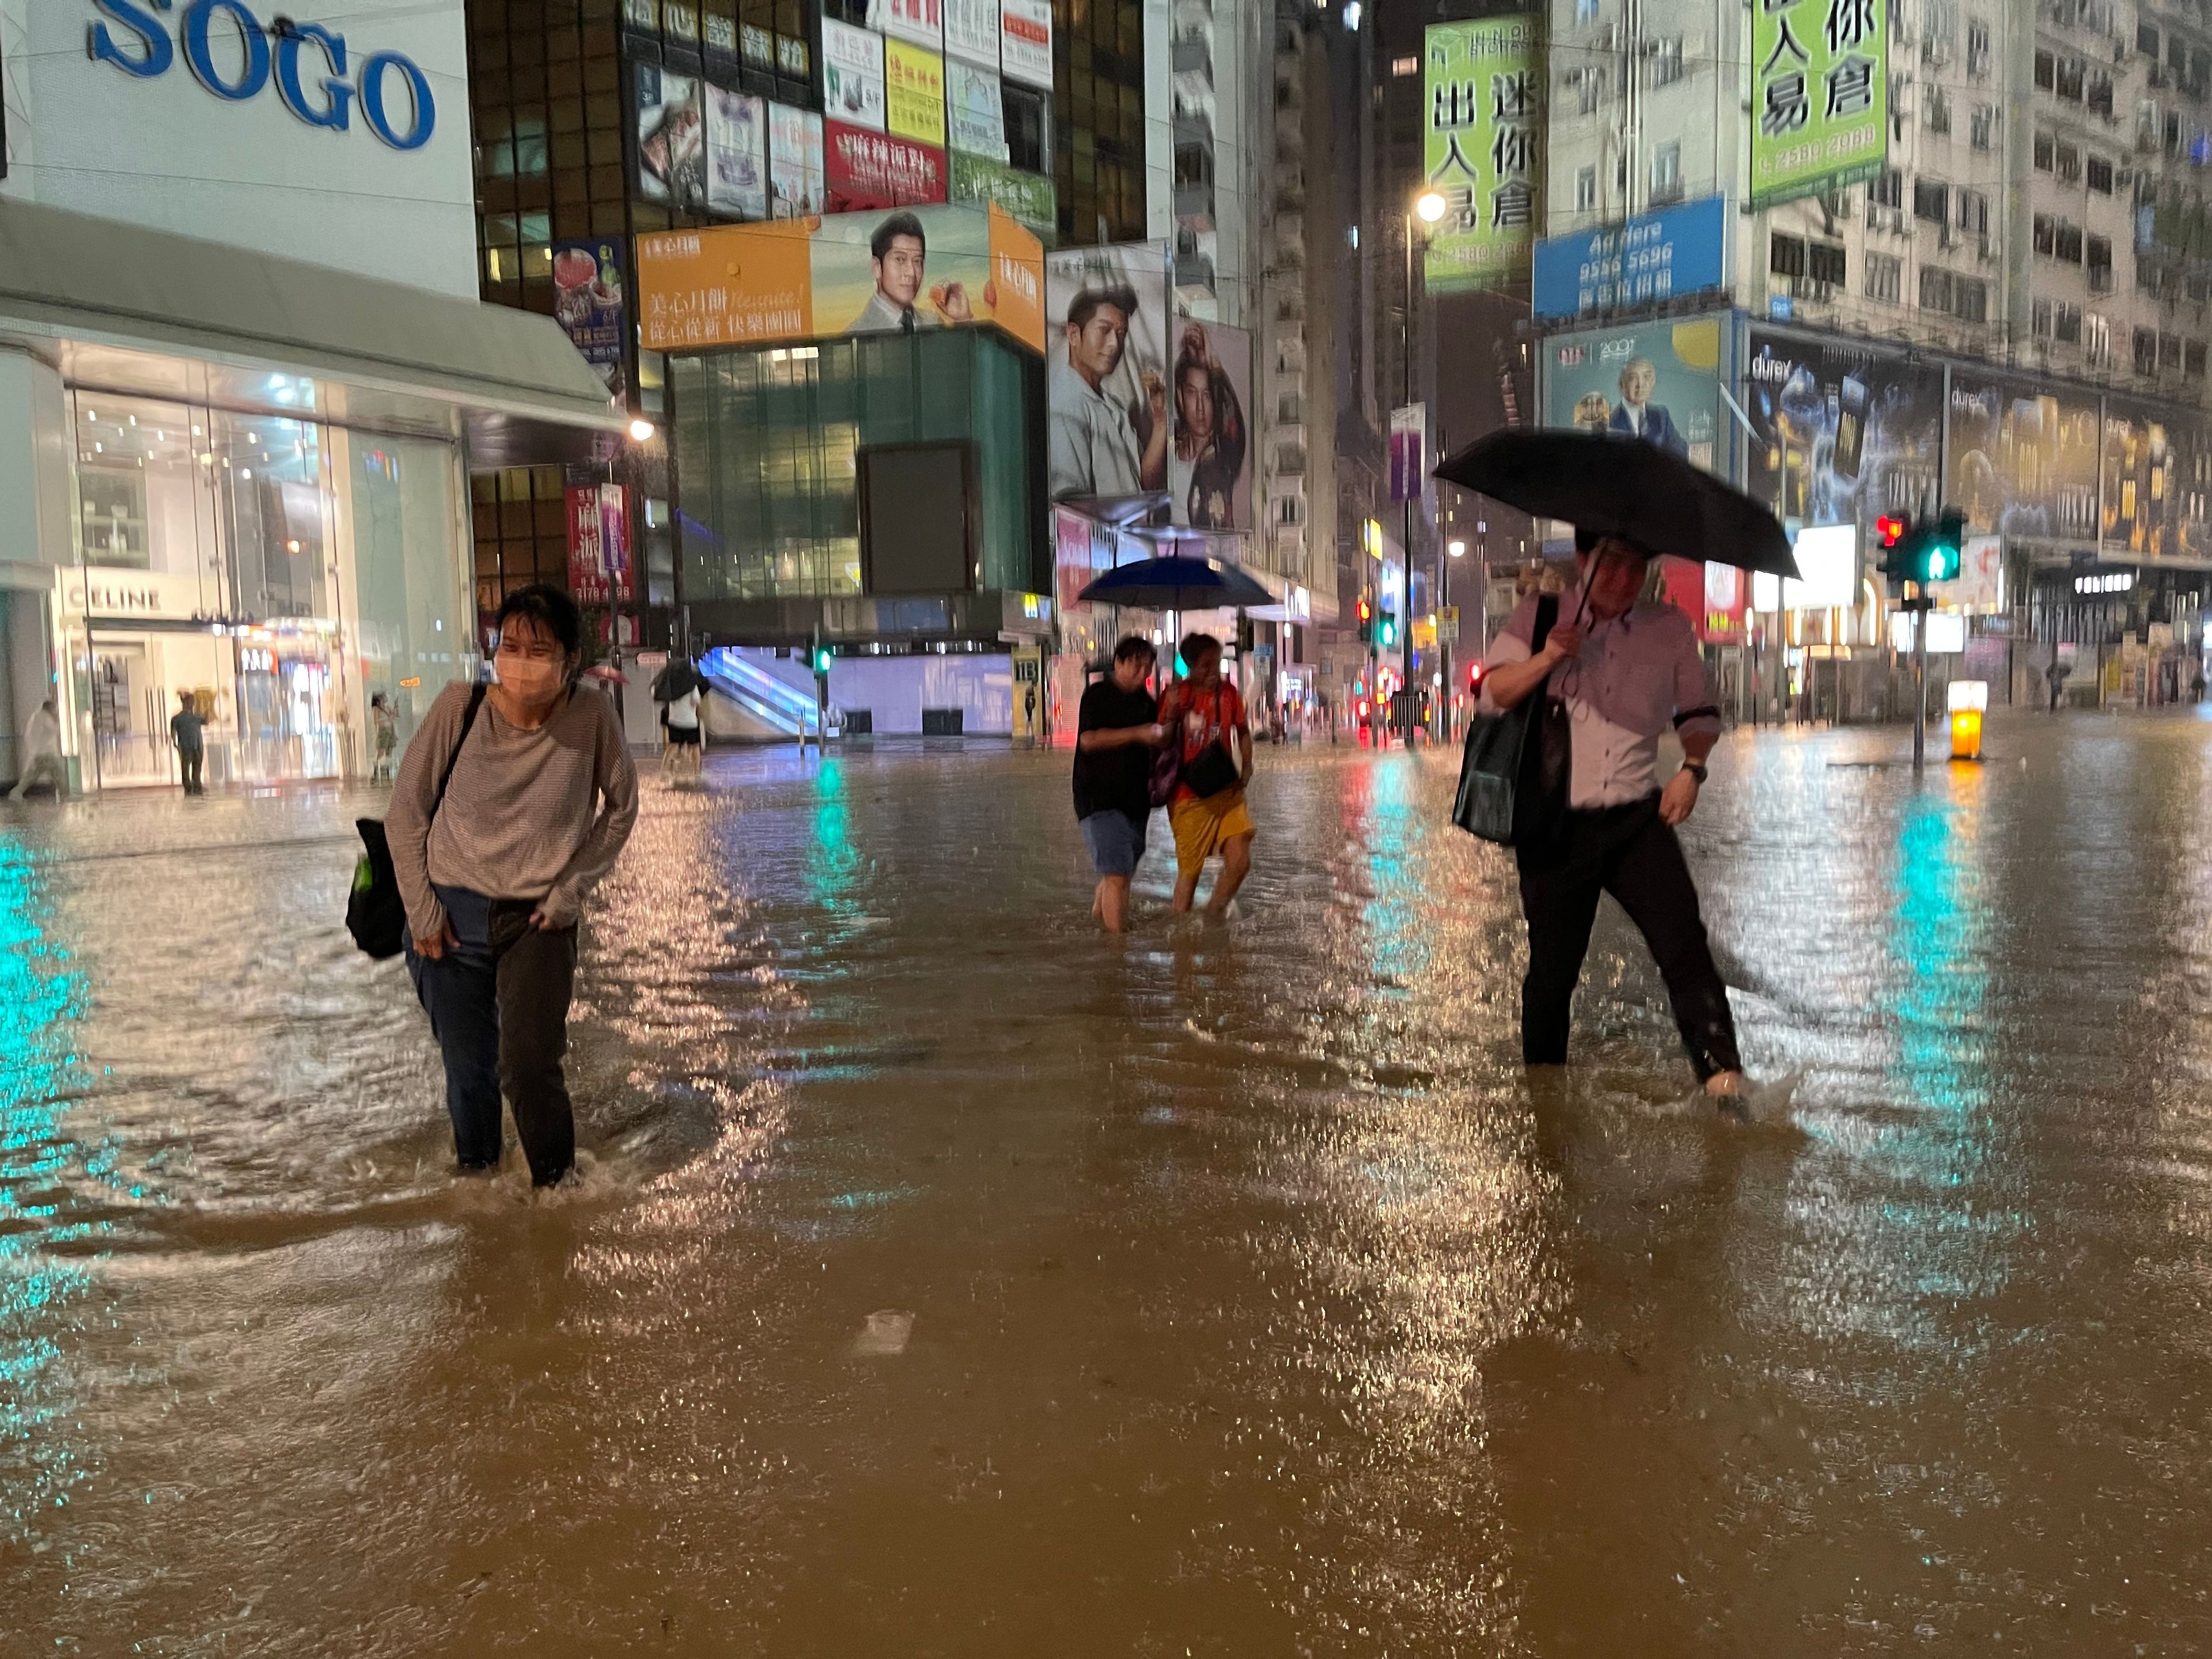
x,y
1919,603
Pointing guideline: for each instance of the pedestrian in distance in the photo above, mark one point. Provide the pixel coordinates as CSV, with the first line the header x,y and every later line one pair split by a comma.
x,y
2057,674
384,727
683,753
1204,716
188,731
512,801
1116,730
43,765
1625,671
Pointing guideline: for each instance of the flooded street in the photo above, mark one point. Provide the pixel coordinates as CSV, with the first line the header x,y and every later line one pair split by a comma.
x,y
948,1279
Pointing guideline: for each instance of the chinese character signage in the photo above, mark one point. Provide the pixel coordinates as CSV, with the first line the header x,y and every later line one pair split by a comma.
x,y
1819,96
971,31
852,74
921,22
598,543
1029,197
864,170
975,112
1651,257
1025,42
1408,444
1483,126
737,285
913,94
794,162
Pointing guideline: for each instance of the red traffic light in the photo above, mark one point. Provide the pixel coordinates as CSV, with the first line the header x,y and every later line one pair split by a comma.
x,y
1366,610
1890,530
1474,677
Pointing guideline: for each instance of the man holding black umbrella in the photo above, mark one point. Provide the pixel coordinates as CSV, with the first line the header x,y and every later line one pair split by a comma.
x,y
1625,671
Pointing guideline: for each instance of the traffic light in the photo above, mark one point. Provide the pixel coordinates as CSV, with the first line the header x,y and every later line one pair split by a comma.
x,y
1367,620
1924,552
1474,677
1386,632
822,659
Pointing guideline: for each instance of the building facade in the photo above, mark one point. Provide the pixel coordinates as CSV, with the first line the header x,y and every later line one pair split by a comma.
x,y
242,379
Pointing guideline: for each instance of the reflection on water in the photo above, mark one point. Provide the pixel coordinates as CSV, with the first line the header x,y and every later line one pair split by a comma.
x,y
45,1282
1251,1299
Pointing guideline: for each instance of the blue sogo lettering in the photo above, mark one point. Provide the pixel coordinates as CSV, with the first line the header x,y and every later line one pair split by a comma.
x,y
337,114
328,103
99,45
199,49
373,70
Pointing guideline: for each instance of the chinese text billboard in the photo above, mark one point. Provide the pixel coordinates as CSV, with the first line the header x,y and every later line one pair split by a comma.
x,y
863,171
1820,116
1481,149
805,279
913,94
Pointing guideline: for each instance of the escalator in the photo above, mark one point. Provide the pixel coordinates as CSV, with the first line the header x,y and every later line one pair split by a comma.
x,y
755,704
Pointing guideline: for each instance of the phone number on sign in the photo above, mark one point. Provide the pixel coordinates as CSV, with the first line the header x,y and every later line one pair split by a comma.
x,y
1833,147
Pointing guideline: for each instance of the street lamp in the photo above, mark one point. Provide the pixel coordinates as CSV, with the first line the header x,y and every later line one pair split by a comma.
x,y
640,431
1456,549
1429,208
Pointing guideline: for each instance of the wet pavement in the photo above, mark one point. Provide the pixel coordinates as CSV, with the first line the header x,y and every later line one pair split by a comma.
x,y
949,1279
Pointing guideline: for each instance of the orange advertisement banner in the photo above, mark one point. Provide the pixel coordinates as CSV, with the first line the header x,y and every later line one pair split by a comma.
x,y
849,273
731,285
1017,284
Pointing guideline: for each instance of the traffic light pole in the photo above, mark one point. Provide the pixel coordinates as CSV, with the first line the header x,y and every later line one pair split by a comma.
x,y
1920,677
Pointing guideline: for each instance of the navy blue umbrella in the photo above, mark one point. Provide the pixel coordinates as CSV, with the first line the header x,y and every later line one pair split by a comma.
x,y
1178,585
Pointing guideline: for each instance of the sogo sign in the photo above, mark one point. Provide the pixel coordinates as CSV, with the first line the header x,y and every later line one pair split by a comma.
x,y
386,84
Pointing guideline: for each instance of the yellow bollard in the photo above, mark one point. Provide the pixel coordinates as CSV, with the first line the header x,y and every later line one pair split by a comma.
x,y
1968,698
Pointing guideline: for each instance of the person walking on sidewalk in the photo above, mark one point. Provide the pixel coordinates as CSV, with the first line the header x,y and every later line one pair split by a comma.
x,y
1206,714
188,731
384,727
1627,674
1116,729
512,801
42,753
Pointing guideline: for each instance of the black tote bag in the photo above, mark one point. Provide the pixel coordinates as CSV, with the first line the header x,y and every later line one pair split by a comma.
x,y
1513,776
375,916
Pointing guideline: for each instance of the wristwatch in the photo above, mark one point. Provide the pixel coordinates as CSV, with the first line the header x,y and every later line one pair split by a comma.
x,y
1696,769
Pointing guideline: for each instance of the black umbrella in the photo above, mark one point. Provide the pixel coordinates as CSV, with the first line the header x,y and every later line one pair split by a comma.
x,y
1177,585
678,679
1622,486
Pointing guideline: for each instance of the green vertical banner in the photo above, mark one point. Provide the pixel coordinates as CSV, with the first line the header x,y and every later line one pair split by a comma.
x,y
1819,114
1482,149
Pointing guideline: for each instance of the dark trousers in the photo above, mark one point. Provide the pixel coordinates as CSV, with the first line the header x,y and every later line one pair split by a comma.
x,y
189,762
1626,851
498,1004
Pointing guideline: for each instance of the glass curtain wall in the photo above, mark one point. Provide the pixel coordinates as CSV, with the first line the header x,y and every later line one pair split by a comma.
x,y
273,571
766,444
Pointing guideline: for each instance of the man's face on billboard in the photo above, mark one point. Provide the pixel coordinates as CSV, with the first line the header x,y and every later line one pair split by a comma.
x,y
1636,381
1095,349
1194,401
899,272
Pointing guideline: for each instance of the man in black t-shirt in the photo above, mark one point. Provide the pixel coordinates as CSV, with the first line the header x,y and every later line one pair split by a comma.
x,y
1115,733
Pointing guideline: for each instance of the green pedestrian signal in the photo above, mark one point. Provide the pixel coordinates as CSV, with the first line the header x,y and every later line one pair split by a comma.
x,y
1926,551
821,658
1387,631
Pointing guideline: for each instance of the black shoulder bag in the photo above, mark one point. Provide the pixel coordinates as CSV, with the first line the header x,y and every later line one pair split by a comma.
x,y
376,916
1513,777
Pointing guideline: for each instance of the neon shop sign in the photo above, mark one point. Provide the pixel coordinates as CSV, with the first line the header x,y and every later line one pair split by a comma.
x,y
233,56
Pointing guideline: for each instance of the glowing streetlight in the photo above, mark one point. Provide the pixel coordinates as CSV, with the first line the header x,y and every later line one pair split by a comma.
x,y
1457,549
640,431
1428,206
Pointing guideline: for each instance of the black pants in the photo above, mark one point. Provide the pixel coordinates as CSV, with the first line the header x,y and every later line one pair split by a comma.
x,y
189,762
1628,852
498,1004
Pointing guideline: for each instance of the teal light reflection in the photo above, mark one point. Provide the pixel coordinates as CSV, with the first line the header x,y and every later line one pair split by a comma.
x,y
42,999
1391,827
833,865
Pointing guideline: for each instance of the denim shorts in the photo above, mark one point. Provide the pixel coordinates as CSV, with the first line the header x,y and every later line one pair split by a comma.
x,y
1116,841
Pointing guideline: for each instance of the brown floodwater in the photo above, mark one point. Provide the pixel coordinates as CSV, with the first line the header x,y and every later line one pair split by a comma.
x,y
948,1279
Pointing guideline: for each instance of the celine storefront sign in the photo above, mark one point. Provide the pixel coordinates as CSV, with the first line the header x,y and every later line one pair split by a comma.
x,y
233,56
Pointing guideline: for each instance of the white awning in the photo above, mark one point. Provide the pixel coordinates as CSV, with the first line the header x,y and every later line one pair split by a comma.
x,y
138,311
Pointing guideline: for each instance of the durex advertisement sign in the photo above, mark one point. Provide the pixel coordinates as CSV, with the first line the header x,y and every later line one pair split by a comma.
x,y
342,139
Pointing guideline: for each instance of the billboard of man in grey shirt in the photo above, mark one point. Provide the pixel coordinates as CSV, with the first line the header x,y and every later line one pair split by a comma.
x,y
899,254
1095,450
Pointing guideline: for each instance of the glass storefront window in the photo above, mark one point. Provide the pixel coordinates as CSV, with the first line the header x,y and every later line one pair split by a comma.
x,y
275,570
